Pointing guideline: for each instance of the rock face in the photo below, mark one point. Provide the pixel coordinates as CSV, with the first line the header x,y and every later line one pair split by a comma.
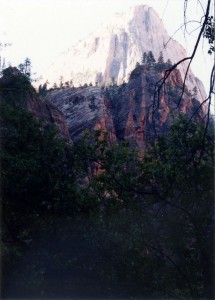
x,y
129,111
112,52
20,89
50,114
84,109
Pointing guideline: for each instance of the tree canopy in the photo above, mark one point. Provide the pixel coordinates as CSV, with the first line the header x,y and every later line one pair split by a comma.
x,y
99,214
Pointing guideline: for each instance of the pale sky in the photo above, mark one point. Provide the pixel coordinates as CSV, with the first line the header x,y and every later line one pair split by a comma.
x,y
42,29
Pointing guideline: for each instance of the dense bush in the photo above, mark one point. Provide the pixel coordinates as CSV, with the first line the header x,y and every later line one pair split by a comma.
x,y
98,215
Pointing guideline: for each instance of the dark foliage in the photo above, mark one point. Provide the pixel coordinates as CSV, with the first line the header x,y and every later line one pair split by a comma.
x,y
99,216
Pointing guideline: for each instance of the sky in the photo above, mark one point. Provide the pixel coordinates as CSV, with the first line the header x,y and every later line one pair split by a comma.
x,y
42,29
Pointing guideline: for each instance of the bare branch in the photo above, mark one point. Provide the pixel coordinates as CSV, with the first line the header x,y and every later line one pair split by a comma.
x,y
162,81
192,21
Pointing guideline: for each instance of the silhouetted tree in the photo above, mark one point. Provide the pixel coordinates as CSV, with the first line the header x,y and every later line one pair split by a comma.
x,y
55,85
150,58
209,33
61,79
67,84
144,58
160,62
160,58
71,83
25,68
168,63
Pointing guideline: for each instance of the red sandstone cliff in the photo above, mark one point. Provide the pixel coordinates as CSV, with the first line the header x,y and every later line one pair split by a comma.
x,y
130,111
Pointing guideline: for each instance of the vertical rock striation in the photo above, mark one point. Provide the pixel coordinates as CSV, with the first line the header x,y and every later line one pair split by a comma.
x,y
130,111
112,52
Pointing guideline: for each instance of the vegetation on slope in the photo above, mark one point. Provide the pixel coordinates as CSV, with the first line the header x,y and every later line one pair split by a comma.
x,y
98,216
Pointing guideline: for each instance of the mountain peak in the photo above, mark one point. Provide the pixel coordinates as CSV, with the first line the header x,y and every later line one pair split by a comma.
x,y
112,52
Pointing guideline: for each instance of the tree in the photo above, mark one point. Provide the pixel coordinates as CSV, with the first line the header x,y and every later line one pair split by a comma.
x,y
160,62
2,58
144,58
187,186
170,193
209,33
30,179
160,58
34,163
25,68
153,215
110,163
172,190
150,58
2,64
67,84
195,91
42,90
55,85
205,30
61,84
136,72
71,83
168,63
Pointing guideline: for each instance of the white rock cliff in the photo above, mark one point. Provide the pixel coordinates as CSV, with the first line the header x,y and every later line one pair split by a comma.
x,y
113,51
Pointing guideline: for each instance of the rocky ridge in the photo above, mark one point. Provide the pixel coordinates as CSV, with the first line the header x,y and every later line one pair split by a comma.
x,y
126,111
